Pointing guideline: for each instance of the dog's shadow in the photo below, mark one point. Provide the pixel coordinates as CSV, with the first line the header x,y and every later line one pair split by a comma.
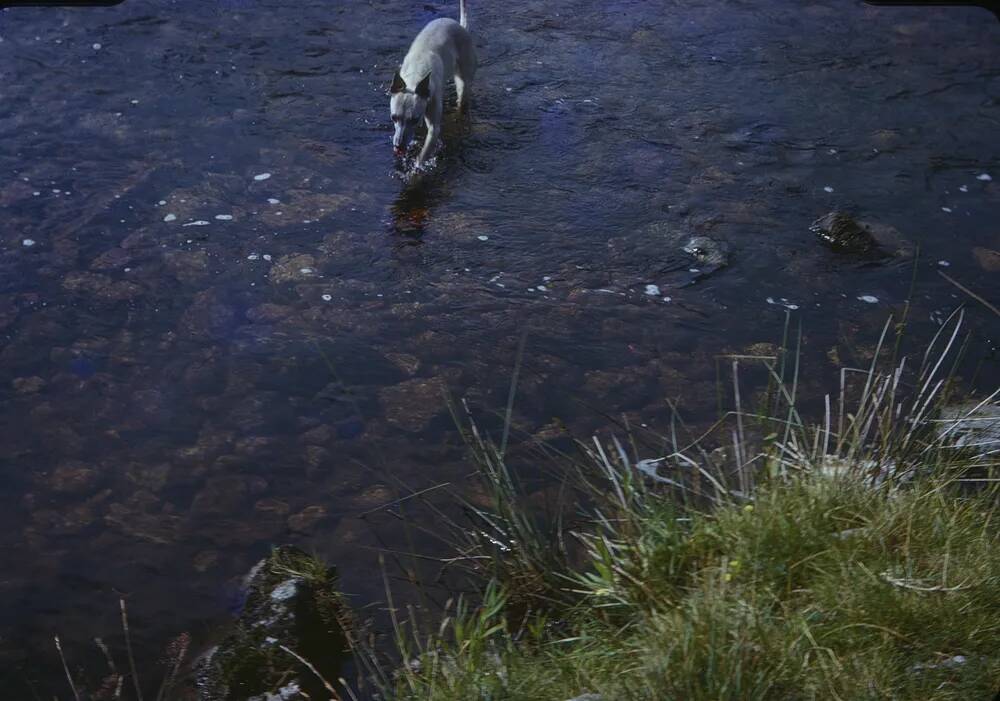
x,y
412,210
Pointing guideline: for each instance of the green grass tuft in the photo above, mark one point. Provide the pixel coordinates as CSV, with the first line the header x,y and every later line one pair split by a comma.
x,y
821,589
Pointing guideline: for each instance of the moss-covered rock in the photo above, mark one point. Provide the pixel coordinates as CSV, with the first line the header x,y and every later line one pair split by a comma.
x,y
291,601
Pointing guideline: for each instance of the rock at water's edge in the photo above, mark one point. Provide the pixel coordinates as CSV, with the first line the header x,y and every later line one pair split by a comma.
x,y
291,600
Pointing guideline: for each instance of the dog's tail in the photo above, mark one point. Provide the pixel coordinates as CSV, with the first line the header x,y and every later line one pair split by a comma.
x,y
463,14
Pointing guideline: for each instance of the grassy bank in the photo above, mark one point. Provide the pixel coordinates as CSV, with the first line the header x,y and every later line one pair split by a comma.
x,y
857,557
818,589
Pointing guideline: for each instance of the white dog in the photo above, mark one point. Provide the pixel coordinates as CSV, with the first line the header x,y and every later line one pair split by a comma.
x,y
442,50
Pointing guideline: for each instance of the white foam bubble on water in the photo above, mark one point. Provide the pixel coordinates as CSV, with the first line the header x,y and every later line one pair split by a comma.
x,y
943,263
253,256
96,47
985,177
327,298
827,189
224,217
170,217
28,243
161,203
261,176
653,290
868,299
199,222
271,200
266,256
946,209
483,237
963,188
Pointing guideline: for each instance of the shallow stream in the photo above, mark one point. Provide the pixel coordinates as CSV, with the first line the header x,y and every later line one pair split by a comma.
x,y
224,319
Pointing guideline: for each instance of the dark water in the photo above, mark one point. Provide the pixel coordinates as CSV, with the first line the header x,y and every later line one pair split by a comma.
x,y
176,397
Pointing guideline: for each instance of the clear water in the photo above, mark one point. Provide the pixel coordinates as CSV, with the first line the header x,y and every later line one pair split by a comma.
x,y
175,397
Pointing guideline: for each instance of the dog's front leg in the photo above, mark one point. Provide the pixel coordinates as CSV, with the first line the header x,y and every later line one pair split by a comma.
x,y
432,118
433,132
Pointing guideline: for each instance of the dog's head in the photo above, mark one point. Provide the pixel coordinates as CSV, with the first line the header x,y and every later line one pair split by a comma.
x,y
407,109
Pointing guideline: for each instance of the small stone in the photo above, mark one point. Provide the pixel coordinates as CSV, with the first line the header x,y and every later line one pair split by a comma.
x,y
405,362
844,234
290,268
205,560
412,404
269,313
307,519
988,259
73,477
28,385
272,506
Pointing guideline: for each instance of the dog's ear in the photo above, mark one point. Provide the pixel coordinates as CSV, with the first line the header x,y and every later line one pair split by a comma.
x,y
398,84
424,87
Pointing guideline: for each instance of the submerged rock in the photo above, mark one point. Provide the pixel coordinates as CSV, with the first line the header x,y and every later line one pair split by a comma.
x,y
411,405
73,477
708,253
845,234
973,424
987,258
293,268
291,601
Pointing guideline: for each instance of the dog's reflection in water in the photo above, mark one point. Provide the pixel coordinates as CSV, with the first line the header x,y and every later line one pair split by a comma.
x,y
412,211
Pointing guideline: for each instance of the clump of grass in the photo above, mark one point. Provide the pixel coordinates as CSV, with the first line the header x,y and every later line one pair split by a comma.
x,y
822,588
846,559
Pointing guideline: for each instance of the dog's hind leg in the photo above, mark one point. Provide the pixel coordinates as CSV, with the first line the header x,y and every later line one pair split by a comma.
x,y
465,71
460,89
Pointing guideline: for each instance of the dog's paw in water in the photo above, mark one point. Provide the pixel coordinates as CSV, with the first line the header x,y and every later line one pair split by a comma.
x,y
408,168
